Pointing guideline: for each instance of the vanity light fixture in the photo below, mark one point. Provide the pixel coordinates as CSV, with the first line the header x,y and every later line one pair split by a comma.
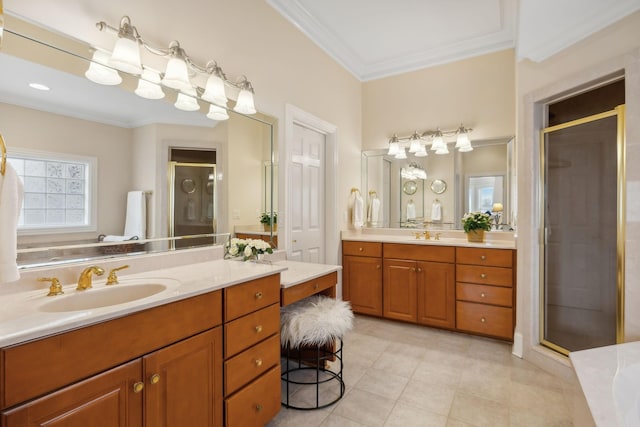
x,y
181,72
436,138
413,171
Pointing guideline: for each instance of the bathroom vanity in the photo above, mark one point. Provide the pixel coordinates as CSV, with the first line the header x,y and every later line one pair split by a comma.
x,y
176,358
446,283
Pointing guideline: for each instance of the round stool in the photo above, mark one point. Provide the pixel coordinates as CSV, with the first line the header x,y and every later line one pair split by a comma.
x,y
311,332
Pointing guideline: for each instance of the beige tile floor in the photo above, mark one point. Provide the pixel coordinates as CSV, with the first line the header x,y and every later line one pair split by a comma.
x,y
405,375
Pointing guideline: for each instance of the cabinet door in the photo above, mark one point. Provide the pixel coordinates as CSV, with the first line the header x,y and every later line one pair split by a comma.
x,y
399,290
183,383
436,294
104,400
362,282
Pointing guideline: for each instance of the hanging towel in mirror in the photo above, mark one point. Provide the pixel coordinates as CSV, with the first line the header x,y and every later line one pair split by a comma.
x,y
375,210
11,195
411,210
136,220
436,211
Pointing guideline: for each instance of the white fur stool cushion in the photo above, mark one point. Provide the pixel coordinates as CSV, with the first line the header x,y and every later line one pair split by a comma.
x,y
314,320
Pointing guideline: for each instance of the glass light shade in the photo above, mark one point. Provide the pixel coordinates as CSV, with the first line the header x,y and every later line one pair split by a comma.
x,y
462,140
422,153
176,76
393,149
420,173
415,146
126,56
217,113
214,91
465,149
101,74
244,104
148,85
437,143
443,150
187,102
401,154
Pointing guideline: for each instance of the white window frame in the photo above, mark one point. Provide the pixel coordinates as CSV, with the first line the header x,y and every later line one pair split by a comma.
x,y
91,191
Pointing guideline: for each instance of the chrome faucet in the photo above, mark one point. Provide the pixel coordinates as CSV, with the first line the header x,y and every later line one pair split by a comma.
x,y
84,282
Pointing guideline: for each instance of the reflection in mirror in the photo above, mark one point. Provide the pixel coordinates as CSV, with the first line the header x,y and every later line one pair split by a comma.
x,y
440,206
132,139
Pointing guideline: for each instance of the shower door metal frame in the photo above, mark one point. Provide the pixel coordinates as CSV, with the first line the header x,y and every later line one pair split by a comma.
x,y
618,112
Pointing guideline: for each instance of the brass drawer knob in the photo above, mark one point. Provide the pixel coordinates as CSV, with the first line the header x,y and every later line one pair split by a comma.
x,y
137,387
258,362
482,295
258,295
483,257
258,408
258,329
484,276
483,320
419,270
361,249
378,266
316,286
155,378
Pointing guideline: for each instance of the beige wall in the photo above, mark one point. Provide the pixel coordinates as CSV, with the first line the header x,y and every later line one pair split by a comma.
x,y
480,92
609,51
38,130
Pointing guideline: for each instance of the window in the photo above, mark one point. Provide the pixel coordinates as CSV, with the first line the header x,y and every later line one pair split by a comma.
x,y
59,192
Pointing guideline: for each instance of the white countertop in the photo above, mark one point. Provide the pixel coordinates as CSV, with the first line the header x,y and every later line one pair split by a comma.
x,y
298,272
22,318
610,380
496,239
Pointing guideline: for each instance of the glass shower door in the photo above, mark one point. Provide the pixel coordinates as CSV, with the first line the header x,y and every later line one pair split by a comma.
x,y
580,233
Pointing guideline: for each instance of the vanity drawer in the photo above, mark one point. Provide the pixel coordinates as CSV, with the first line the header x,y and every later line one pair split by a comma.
x,y
255,404
251,329
371,249
483,256
251,296
495,295
432,253
484,275
308,288
484,319
251,363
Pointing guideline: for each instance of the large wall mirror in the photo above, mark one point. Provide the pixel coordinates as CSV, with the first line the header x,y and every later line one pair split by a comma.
x,y
132,143
435,191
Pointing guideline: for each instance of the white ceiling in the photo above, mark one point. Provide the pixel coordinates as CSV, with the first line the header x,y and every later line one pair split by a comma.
x,y
378,38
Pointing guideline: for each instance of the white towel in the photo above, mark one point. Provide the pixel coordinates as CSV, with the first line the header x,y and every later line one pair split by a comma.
x,y
411,211
436,211
358,210
136,221
11,195
375,210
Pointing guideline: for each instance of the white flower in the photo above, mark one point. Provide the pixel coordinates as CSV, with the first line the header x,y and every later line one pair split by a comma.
x,y
248,251
233,251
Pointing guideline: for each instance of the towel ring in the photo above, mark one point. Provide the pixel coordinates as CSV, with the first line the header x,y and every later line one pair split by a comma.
x,y
3,147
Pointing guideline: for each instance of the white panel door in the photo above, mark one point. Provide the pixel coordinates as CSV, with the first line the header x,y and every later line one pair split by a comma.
x,y
307,167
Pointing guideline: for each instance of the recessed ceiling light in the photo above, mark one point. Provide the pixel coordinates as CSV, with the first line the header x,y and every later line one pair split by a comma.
x,y
39,86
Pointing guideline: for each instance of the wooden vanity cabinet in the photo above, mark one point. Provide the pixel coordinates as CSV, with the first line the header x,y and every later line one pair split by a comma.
x,y
485,291
419,284
362,276
177,381
252,352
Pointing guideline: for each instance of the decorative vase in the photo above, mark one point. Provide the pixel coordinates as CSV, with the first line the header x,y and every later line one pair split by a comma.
x,y
475,236
267,227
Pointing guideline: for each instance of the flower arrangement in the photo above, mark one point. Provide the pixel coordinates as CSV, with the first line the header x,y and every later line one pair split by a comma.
x,y
476,221
265,218
248,248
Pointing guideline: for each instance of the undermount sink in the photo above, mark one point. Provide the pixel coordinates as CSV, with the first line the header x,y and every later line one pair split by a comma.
x,y
107,296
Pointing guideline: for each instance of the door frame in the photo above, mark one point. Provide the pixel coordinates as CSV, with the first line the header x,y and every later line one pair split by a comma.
x,y
295,115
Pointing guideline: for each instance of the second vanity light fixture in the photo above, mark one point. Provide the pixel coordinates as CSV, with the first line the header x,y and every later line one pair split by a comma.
x,y
126,57
417,143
